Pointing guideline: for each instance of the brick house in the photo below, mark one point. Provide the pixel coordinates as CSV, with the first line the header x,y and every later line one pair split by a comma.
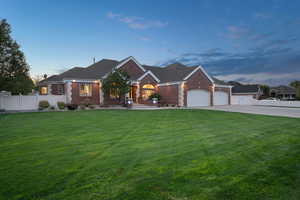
x,y
177,84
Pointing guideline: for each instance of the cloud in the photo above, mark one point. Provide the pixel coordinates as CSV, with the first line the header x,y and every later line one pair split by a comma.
x,y
274,65
237,32
262,15
136,22
112,15
144,38
262,78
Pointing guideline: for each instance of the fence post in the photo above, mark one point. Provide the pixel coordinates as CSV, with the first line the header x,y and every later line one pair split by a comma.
x,y
1,101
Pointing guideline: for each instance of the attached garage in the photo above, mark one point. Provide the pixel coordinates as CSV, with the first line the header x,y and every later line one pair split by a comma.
x,y
221,98
198,98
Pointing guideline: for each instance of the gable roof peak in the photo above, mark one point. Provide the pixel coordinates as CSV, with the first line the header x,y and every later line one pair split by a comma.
x,y
175,65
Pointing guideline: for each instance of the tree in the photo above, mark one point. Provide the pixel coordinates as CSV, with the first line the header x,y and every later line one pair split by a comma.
x,y
36,80
296,84
266,90
14,71
117,83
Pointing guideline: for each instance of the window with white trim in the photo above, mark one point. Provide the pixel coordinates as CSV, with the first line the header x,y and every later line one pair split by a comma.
x,y
85,89
44,90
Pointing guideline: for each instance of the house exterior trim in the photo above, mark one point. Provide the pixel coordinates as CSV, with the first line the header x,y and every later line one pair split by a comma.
x,y
127,60
171,83
224,86
149,72
204,72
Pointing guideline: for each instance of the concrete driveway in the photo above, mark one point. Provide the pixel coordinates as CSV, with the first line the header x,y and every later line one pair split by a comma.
x,y
263,110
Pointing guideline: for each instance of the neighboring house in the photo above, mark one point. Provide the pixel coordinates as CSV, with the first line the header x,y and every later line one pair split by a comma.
x,y
253,91
283,92
176,83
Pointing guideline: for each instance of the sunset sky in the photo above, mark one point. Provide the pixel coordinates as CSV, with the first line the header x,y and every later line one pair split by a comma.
x,y
248,41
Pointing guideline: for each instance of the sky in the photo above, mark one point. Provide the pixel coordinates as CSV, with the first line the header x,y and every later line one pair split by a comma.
x,y
247,41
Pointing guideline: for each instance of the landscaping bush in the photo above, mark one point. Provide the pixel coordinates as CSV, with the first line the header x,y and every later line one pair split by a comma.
x,y
2,110
52,108
82,106
43,105
72,106
86,102
155,95
61,105
91,107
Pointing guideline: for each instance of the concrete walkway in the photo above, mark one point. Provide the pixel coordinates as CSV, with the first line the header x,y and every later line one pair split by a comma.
x,y
262,110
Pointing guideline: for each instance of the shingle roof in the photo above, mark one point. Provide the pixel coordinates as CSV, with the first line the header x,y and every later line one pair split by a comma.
x,y
245,89
94,71
171,73
283,89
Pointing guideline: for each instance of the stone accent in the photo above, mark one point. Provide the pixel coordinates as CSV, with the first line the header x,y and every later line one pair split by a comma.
x,y
49,89
101,94
68,89
181,94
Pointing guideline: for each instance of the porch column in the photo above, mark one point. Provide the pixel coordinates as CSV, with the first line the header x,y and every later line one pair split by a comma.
x,y
101,96
69,92
212,95
49,89
137,92
181,94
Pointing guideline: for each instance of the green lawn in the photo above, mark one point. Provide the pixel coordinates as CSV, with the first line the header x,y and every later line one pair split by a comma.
x,y
164,154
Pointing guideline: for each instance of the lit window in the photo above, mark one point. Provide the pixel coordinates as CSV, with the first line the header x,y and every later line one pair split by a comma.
x,y
85,90
148,86
147,91
146,94
44,90
114,93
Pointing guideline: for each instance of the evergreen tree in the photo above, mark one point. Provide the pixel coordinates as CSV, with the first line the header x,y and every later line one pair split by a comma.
x,y
14,71
117,84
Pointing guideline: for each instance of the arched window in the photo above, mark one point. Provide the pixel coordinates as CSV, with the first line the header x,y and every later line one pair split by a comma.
x,y
148,86
147,91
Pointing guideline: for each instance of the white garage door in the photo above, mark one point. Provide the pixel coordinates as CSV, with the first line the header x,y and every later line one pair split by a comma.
x,y
220,98
198,98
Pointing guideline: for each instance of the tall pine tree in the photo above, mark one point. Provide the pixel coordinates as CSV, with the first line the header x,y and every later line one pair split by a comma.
x,y
14,71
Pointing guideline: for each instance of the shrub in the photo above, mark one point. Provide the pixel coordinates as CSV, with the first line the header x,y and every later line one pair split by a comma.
x,y
72,106
43,105
91,107
155,95
2,110
86,102
52,108
61,105
82,106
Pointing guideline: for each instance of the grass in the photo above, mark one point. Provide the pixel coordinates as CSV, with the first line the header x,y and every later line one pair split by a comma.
x,y
140,155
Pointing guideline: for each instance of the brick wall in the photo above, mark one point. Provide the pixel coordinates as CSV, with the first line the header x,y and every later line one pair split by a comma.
x,y
169,94
77,99
133,70
197,81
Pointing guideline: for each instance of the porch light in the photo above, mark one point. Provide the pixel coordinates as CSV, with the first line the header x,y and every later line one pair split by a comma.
x,y
154,100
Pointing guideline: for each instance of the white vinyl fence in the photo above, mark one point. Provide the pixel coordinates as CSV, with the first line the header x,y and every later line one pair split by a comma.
x,y
20,102
278,103
242,100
